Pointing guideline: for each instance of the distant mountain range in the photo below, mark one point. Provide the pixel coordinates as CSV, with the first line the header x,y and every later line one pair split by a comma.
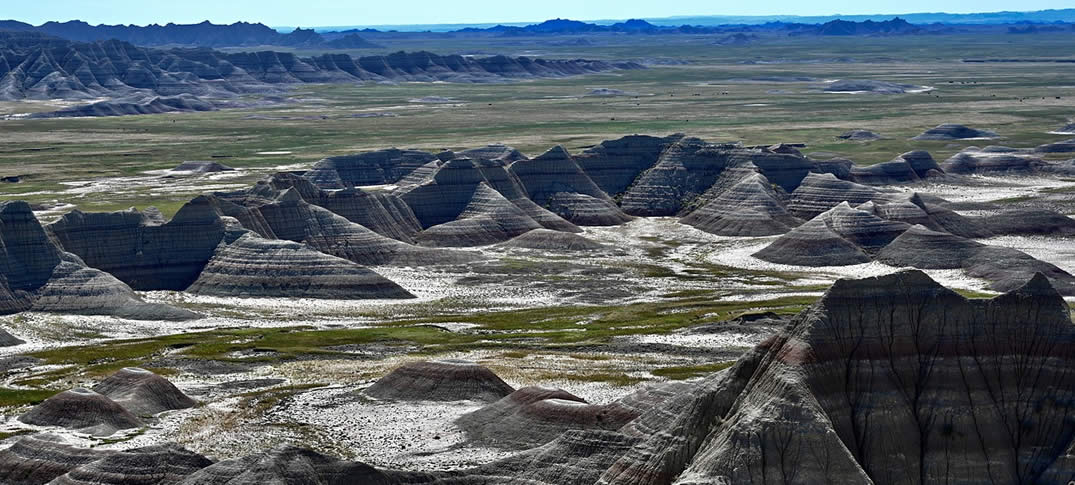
x,y
204,34
982,18
895,26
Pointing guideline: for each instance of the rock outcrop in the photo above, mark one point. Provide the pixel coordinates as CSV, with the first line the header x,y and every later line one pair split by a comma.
x,y
1030,222
908,167
256,267
750,208
152,465
549,240
198,167
36,460
533,416
378,211
140,250
441,380
488,218
1065,146
142,392
910,384
41,67
370,168
465,202
840,236
555,181
82,410
1004,268
615,164
289,217
820,192
859,135
8,340
287,465
954,132
991,160
36,275
692,172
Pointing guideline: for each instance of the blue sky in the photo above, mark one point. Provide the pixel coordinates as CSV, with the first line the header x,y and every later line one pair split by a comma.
x,y
373,12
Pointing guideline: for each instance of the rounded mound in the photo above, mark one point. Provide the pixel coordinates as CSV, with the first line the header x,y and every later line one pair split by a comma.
x,y
142,392
37,459
8,340
442,380
533,416
82,410
954,132
167,463
859,135
553,240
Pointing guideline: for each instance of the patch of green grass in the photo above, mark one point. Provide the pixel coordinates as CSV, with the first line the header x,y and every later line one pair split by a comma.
x,y
681,372
20,397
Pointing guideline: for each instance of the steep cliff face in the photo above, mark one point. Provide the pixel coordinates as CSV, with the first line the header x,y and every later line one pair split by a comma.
x,y
141,251
380,212
691,173
371,168
555,181
615,164
36,275
915,385
289,217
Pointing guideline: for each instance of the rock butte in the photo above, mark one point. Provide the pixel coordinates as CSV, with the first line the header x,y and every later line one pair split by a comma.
x,y
443,380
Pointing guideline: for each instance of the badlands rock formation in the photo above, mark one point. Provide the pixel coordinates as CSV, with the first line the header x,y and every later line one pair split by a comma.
x,y
36,460
992,160
840,236
142,392
139,248
615,164
288,216
159,464
82,410
40,67
549,240
287,465
36,275
270,268
379,212
441,380
370,168
908,167
533,416
556,181
751,207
